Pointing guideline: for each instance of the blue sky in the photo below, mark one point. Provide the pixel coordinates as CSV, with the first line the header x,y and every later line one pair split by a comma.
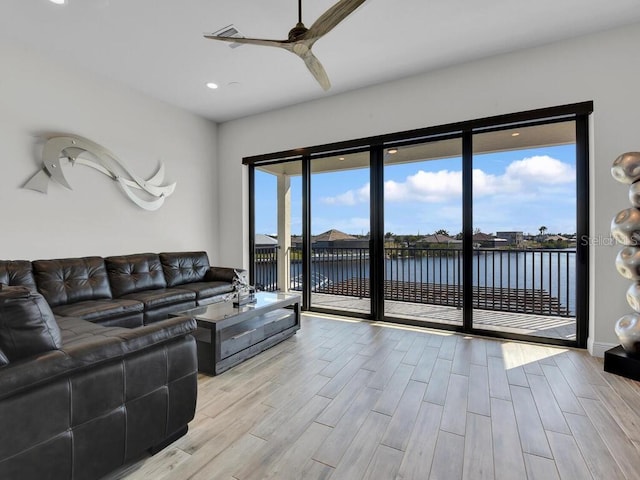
x,y
514,190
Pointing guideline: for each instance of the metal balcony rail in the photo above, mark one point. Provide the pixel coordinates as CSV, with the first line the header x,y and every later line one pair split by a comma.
x,y
511,280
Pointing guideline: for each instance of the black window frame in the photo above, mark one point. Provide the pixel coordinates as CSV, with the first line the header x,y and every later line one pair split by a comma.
x,y
577,112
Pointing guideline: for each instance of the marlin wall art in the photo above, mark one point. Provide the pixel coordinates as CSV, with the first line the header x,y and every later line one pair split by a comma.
x,y
149,194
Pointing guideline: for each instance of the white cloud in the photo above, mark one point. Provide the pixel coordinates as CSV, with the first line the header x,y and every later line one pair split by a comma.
x,y
524,177
349,198
442,186
540,170
346,198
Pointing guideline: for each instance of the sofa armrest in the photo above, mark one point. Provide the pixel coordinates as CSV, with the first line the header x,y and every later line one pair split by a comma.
x,y
223,274
89,345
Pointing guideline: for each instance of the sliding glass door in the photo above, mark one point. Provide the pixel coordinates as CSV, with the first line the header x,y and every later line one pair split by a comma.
x,y
423,232
277,227
524,230
340,228
472,227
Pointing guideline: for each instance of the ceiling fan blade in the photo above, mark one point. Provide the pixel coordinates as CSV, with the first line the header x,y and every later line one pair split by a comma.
x,y
316,69
253,41
332,17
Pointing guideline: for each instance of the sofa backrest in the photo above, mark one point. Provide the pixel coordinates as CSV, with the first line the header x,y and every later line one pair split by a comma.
x,y
134,273
71,280
17,273
184,267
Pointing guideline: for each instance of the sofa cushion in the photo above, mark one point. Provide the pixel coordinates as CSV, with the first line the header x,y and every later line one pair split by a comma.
x,y
85,346
98,310
27,324
3,359
162,313
134,273
161,297
184,267
204,290
72,280
224,274
17,272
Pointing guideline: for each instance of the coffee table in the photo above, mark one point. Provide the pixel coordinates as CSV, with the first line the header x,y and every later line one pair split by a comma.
x,y
228,335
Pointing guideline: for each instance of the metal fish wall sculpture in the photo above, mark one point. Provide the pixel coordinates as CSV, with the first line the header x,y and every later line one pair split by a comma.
x,y
149,194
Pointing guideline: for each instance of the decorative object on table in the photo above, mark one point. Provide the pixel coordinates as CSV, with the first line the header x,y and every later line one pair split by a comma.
x,y
148,194
244,292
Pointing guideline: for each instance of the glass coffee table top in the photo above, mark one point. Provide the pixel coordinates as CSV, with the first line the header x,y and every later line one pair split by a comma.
x,y
265,301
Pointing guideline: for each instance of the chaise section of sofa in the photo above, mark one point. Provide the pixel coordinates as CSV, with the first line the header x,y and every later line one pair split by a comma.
x,y
106,396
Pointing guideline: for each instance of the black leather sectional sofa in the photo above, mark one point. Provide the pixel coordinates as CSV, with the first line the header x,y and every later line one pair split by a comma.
x,y
124,291
97,374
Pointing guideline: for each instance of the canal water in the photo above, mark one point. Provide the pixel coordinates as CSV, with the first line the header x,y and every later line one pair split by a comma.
x,y
552,271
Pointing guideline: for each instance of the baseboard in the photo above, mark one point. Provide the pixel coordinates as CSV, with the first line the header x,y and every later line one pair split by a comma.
x,y
597,349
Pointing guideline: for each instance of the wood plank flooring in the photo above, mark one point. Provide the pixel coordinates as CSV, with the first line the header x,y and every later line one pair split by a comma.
x,y
349,400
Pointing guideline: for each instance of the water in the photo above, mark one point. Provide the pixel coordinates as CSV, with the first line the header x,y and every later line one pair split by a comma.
x,y
552,270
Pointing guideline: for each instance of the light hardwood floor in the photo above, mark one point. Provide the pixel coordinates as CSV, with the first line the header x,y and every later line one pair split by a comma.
x,y
352,400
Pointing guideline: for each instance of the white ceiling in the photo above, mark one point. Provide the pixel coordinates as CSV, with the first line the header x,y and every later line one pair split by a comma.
x,y
156,46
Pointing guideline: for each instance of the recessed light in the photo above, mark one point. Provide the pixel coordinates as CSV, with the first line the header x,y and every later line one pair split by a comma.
x,y
212,85
392,151
341,158
59,2
515,134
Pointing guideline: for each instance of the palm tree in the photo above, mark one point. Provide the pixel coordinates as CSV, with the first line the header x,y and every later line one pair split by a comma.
x,y
542,229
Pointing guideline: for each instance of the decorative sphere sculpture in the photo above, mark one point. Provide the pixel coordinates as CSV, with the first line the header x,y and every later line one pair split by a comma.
x,y
633,296
625,226
628,263
628,332
626,168
634,194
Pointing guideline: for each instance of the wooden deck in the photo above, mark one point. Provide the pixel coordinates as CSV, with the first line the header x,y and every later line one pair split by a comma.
x,y
521,323
513,300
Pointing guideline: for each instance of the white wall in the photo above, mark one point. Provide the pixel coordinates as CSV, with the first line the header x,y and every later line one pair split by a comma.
x,y
39,97
602,67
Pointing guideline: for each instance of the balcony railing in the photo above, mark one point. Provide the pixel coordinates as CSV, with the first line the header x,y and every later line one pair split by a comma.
x,y
523,281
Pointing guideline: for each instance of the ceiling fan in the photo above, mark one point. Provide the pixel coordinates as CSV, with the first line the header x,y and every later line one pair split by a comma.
x,y
301,38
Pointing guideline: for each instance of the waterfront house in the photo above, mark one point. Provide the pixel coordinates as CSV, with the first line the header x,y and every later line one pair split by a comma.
x,y
438,240
514,239
485,240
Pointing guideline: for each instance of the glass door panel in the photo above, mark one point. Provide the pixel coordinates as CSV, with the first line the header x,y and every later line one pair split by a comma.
x,y
278,226
524,237
340,225
423,225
